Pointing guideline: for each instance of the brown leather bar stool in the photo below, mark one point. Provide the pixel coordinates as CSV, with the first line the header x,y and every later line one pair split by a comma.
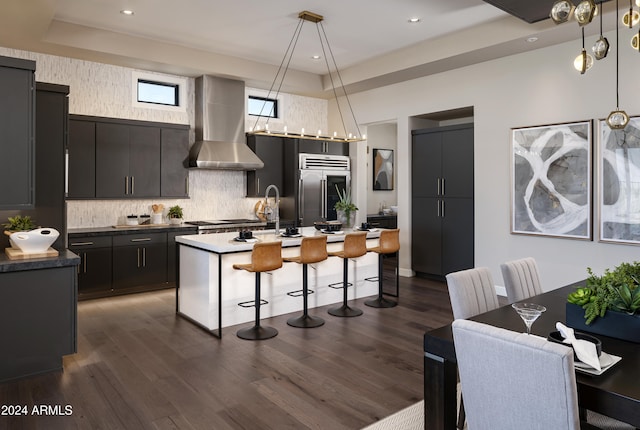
x,y
355,245
265,257
313,249
389,243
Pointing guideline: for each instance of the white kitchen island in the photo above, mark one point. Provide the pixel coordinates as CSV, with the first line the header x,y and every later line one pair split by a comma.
x,y
209,289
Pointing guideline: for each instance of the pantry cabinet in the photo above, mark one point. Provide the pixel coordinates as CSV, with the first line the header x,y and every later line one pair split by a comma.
x,y
17,133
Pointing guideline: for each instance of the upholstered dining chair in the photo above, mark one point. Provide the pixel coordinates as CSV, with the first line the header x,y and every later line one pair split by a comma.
x,y
521,279
514,381
471,292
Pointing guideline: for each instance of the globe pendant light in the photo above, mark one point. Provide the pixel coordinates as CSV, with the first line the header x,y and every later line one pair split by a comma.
x,y
600,48
585,11
583,61
617,119
561,11
632,17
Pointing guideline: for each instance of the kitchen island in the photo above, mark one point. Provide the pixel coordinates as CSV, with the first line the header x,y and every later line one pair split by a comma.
x,y
209,289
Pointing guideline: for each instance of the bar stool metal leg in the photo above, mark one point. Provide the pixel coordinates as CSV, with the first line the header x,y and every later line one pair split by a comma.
x,y
345,310
380,301
257,332
305,320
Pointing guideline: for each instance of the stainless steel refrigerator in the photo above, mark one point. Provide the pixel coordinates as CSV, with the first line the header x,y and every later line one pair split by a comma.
x,y
319,179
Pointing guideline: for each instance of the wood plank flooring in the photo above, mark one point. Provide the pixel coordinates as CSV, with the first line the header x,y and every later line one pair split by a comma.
x,y
139,366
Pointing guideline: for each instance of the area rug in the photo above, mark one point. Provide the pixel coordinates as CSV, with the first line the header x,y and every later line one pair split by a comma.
x,y
409,418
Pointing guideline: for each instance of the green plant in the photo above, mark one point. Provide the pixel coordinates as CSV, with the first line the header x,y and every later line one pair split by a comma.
x,y
615,290
175,212
19,223
344,202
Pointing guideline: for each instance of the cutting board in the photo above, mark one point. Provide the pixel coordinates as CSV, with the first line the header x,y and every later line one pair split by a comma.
x,y
17,254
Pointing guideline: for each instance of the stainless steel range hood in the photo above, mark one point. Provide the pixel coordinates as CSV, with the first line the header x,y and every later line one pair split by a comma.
x,y
219,127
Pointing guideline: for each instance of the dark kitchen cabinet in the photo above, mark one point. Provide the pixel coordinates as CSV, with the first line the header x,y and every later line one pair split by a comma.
x,y
442,200
314,146
82,159
127,161
95,269
174,148
17,133
383,221
113,158
139,259
270,149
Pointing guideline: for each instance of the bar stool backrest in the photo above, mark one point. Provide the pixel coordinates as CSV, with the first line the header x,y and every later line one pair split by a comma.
x,y
266,256
313,249
355,244
389,241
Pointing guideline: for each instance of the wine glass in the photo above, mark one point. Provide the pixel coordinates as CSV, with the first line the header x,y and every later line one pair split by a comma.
x,y
529,312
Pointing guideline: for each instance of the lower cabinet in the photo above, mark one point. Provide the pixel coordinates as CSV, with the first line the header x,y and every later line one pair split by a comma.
x,y
94,271
125,263
139,259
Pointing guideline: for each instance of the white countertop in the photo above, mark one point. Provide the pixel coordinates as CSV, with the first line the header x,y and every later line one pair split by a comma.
x,y
224,243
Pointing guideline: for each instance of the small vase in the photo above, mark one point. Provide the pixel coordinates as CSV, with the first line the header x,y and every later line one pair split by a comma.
x,y
347,221
175,221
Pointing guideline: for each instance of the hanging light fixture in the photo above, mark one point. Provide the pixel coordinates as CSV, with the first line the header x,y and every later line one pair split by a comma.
x,y
561,11
617,119
306,16
600,48
585,11
631,18
583,61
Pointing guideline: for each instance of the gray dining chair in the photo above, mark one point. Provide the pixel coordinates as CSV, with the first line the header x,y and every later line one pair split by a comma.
x,y
514,381
521,279
471,292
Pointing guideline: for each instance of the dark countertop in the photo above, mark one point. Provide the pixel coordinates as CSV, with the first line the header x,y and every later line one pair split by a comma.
x,y
391,215
112,231
66,258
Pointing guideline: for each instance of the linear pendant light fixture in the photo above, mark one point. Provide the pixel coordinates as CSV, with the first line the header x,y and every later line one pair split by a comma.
x,y
306,16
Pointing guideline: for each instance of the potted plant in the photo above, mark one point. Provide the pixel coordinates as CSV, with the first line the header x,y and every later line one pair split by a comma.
x,y
175,214
345,208
608,304
18,223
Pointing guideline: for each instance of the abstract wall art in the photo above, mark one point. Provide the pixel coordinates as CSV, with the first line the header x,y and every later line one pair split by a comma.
x,y
551,179
383,169
619,183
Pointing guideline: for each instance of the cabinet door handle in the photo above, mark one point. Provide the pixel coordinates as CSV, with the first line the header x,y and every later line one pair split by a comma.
x,y
84,264
300,199
443,186
126,185
438,208
438,192
442,208
81,243
144,257
186,185
133,185
144,239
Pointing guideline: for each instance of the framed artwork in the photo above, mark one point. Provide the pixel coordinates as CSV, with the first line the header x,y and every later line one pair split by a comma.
x,y
383,169
619,183
551,176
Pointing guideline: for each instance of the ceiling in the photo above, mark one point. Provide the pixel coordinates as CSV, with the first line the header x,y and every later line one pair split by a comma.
x,y
371,40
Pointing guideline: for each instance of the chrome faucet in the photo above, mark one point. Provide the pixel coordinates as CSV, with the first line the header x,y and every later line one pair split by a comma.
x,y
277,208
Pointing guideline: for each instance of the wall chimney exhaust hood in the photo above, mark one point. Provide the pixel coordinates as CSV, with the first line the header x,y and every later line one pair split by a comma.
x,y
219,127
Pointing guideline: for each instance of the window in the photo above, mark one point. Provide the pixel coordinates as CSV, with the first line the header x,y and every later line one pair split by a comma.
x,y
155,91
158,93
262,106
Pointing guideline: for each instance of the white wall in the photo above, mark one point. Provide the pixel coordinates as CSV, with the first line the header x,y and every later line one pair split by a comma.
x,y
535,88
381,136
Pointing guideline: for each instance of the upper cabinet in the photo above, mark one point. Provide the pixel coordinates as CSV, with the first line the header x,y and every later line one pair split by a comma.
x,y
313,146
17,133
125,159
270,149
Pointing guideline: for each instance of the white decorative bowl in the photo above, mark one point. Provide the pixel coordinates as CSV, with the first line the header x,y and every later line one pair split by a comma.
x,y
34,241
394,209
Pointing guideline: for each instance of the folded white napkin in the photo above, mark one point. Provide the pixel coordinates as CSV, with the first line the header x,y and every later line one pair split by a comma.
x,y
585,350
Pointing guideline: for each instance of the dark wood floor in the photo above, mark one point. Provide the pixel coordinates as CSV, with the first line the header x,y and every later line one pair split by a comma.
x,y
139,366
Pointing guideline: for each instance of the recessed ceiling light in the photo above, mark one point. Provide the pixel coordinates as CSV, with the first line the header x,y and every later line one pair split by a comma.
x,y
315,57
532,39
126,12
413,20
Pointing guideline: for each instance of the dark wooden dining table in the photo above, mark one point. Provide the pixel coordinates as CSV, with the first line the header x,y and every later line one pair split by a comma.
x,y
615,393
